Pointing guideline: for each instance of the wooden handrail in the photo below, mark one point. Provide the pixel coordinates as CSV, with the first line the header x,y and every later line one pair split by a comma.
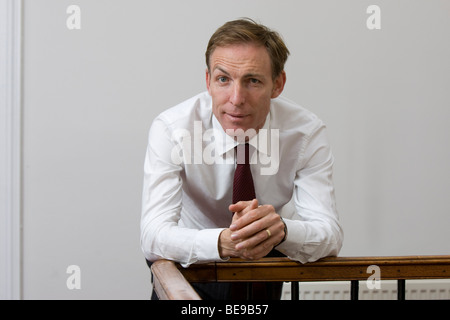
x,y
326,269
170,284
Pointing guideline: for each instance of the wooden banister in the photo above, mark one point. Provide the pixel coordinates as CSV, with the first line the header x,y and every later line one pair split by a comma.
x,y
170,284
326,269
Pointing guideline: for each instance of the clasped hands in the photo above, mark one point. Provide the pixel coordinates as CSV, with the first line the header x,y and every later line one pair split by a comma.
x,y
254,231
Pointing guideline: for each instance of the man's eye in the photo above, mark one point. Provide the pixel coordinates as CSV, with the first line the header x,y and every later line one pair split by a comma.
x,y
222,79
254,81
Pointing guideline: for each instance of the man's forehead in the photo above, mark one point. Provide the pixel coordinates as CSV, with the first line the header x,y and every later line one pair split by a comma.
x,y
254,59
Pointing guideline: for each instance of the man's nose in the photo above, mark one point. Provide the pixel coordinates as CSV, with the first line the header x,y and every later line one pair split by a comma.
x,y
237,97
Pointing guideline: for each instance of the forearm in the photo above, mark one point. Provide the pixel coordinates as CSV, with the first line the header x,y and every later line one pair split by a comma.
x,y
308,241
312,221
162,231
183,245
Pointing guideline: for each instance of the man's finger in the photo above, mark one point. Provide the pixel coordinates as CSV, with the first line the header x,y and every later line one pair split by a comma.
x,y
242,205
256,233
249,205
256,213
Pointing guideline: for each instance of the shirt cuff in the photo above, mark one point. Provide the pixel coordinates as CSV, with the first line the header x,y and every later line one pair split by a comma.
x,y
207,245
296,237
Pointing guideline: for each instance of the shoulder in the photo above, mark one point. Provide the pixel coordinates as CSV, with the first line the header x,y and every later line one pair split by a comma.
x,y
196,108
288,115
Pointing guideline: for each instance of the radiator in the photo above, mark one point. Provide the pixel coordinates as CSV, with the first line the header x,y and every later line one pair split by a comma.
x,y
340,290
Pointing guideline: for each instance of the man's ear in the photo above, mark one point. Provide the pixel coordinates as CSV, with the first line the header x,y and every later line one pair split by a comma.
x,y
278,85
208,79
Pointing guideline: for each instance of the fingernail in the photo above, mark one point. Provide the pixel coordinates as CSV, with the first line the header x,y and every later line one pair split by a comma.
x,y
234,236
233,227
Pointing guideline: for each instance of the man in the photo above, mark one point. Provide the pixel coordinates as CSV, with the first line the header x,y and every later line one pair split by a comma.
x,y
188,212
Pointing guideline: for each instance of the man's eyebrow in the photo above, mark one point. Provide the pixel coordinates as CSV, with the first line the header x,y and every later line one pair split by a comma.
x,y
253,75
221,70
248,75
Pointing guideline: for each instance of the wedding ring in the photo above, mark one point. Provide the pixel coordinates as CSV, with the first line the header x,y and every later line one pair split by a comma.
x,y
269,233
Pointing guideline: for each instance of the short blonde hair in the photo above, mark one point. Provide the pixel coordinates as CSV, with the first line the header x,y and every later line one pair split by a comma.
x,y
248,31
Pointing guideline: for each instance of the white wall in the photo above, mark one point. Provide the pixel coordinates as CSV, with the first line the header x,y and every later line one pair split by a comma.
x,y
89,97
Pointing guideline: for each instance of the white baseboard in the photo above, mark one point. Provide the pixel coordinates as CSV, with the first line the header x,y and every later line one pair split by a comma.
x,y
340,290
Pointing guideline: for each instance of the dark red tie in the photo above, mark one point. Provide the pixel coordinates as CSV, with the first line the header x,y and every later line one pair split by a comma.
x,y
243,188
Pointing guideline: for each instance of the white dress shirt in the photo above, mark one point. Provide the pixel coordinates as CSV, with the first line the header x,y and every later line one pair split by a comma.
x,y
188,179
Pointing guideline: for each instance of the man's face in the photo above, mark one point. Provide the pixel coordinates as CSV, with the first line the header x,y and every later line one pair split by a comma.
x,y
241,86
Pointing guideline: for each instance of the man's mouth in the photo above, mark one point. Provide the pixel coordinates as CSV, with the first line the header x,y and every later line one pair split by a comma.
x,y
236,116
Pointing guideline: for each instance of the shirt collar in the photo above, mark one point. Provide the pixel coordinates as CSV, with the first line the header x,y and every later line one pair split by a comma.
x,y
224,143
